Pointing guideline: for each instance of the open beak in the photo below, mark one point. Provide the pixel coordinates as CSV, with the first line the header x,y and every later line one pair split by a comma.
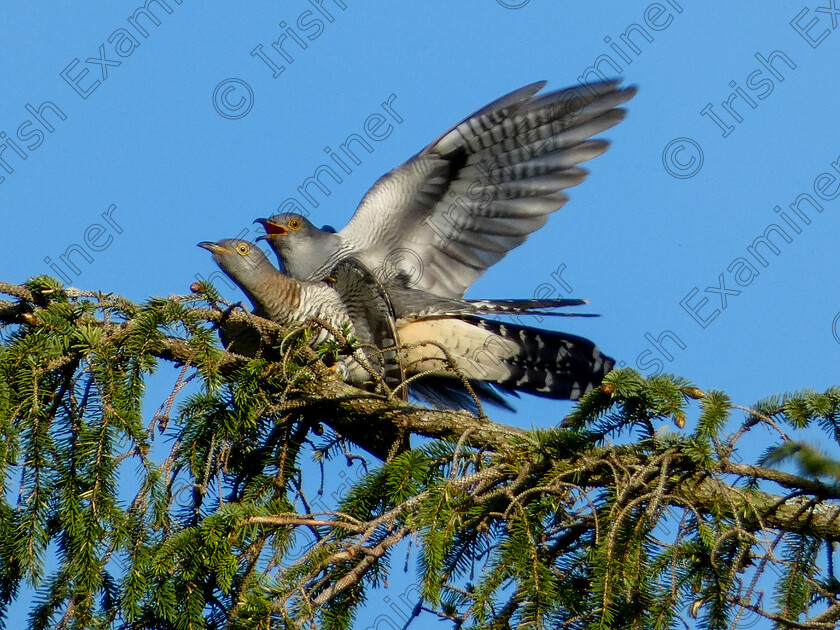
x,y
271,228
214,247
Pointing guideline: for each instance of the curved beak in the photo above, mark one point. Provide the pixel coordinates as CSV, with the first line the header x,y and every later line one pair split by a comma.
x,y
215,248
271,227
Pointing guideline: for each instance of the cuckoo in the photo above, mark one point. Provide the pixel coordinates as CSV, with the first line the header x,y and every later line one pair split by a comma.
x,y
438,221
493,356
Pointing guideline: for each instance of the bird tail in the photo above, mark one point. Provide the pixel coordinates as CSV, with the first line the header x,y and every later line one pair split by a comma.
x,y
545,362
527,307
507,356
442,392
417,304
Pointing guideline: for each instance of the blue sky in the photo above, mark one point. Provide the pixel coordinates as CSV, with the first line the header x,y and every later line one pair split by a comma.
x,y
654,222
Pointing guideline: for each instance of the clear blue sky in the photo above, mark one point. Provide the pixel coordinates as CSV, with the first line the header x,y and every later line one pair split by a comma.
x,y
147,147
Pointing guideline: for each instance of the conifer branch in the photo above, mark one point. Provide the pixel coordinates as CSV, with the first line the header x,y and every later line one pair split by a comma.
x,y
558,508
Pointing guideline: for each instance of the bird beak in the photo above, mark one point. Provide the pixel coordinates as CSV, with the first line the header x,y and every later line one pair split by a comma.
x,y
215,248
271,228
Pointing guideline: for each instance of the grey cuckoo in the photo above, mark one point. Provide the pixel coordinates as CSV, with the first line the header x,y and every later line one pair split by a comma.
x,y
438,221
495,356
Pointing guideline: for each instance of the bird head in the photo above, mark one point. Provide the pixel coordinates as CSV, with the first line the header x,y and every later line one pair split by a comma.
x,y
285,224
296,241
244,262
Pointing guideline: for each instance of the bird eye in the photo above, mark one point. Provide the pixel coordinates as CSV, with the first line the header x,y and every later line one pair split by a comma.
x,y
243,249
294,224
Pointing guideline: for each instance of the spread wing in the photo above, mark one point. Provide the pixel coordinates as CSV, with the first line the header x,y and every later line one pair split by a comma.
x,y
443,217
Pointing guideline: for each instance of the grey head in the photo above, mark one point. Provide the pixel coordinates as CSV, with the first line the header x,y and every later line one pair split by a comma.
x,y
304,251
246,264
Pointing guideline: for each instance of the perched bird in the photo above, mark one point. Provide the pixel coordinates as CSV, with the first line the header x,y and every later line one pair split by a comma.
x,y
439,220
353,296
493,356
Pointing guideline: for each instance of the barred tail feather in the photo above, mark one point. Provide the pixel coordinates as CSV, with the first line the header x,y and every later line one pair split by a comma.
x,y
506,356
412,305
547,363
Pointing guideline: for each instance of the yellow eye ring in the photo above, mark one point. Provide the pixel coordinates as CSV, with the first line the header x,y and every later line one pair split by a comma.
x,y
294,224
243,249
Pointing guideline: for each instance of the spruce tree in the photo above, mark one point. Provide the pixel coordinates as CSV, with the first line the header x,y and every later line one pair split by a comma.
x,y
608,520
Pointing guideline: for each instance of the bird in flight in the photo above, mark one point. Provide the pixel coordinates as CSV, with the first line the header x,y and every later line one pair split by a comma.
x,y
438,221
